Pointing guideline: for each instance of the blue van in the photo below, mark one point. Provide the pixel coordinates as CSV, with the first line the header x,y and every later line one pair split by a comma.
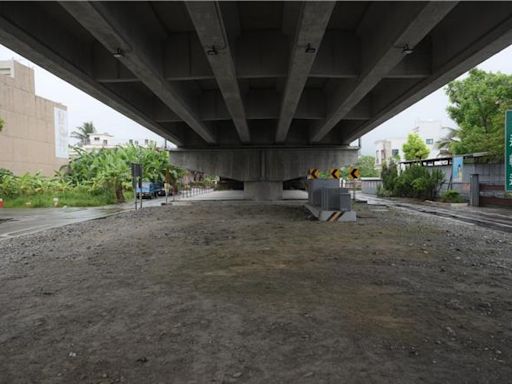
x,y
150,189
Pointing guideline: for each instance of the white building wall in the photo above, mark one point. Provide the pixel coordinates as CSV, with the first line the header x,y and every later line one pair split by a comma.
x,y
431,131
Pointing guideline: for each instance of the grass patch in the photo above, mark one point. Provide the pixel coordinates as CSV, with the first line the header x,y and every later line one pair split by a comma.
x,y
451,196
69,199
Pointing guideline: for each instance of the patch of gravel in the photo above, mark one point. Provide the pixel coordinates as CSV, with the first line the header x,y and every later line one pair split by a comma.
x,y
248,292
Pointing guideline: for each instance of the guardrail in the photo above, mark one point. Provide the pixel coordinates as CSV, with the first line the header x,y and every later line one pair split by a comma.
x,y
191,192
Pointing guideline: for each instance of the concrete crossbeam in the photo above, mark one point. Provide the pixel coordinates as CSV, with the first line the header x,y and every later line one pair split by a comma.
x,y
263,104
255,55
264,163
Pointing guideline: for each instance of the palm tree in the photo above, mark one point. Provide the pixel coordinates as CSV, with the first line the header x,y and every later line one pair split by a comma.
x,y
82,133
444,143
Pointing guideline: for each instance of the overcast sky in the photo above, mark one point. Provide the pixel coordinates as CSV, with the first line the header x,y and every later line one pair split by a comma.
x,y
82,107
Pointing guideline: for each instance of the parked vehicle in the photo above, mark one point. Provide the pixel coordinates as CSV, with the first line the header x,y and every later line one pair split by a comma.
x,y
150,189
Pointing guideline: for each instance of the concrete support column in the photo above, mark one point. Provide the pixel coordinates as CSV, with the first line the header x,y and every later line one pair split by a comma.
x,y
263,190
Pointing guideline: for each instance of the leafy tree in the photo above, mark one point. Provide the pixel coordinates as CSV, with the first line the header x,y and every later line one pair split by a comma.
x,y
444,144
110,168
366,165
478,105
415,148
1,124
113,172
83,132
102,173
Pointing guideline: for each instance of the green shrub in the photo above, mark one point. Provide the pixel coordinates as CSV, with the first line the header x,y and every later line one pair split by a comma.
x,y
389,175
451,196
92,178
68,198
416,181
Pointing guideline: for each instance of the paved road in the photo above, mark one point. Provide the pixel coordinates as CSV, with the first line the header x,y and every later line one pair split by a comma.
x,y
495,218
21,221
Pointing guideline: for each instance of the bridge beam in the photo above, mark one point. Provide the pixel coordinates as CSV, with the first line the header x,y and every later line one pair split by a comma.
x,y
383,48
139,54
209,25
311,27
453,53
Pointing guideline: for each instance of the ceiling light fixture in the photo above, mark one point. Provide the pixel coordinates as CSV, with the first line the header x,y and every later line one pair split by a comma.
x,y
310,49
406,50
212,51
118,53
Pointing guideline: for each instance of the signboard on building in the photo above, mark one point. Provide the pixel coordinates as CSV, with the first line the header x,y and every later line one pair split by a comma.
x,y
61,133
457,169
508,151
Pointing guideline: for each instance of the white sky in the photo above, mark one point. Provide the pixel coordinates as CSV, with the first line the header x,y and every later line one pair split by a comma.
x,y
82,107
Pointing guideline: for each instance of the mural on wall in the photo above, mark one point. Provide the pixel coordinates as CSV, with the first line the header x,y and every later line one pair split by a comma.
x,y
457,169
61,133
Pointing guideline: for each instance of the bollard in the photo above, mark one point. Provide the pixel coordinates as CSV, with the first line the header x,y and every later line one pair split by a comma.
x,y
1,203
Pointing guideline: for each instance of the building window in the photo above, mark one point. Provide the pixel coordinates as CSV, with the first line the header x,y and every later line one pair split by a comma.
x,y
377,157
96,139
395,152
130,141
5,71
429,141
105,142
146,141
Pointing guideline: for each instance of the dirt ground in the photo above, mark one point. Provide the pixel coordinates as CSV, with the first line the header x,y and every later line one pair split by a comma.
x,y
242,292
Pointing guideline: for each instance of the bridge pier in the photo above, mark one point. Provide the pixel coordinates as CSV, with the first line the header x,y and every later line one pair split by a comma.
x,y
263,170
263,190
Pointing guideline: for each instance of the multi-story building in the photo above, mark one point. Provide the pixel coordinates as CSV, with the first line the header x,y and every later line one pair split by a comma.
x,y
98,141
35,133
389,149
431,131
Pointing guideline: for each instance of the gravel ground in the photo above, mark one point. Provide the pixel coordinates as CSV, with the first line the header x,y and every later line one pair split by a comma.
x,y
239,292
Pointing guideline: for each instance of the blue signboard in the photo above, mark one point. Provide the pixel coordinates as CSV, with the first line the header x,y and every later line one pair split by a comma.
x,y
457,169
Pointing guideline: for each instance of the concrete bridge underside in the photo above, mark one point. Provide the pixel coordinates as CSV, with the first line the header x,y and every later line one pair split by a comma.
x,y
268,83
